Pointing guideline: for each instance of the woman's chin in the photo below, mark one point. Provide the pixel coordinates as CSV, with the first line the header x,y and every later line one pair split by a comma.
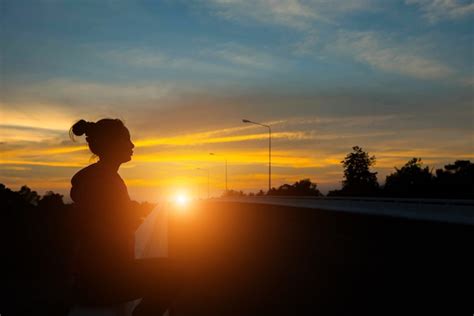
x,y
126,159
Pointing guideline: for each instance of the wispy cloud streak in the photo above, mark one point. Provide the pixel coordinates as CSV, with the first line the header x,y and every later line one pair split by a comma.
x,y
290,13
405,59
437,10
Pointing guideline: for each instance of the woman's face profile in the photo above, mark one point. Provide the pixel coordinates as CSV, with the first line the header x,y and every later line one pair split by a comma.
x,y
120,147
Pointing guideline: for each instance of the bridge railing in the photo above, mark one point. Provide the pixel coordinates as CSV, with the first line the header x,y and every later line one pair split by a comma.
x,y
464,202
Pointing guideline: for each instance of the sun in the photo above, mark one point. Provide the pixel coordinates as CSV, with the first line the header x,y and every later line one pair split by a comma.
x,y
181,199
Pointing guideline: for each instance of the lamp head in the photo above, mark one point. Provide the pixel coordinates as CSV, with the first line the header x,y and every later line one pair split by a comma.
x,y
246,121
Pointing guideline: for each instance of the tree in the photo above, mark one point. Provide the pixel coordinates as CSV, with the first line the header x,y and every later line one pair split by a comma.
x,y
51,200
303,187
358,179
233,193
412,180
30,197
456,180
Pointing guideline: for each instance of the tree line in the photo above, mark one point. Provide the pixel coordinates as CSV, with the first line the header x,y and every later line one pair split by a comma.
x,y
304,187
412,180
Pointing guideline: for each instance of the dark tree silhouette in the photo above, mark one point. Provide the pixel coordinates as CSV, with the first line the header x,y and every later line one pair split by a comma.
x,y
233,193
38,243
412,180
303,187
30,197
358,179
456,180
51,200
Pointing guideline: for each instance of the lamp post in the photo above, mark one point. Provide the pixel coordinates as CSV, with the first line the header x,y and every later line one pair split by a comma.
x,y
207,169
269,150
214,154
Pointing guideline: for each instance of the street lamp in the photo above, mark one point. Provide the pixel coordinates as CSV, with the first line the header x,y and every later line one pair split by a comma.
x,y
269,150
213,154
207,169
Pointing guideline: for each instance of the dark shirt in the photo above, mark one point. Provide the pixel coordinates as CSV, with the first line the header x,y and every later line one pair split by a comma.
x,y
106,224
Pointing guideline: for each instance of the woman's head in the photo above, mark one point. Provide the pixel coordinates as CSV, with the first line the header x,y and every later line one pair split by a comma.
x,y
107,138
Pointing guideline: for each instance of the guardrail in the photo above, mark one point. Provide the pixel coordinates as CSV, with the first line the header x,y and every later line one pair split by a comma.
x,y
368,199
361,199
441,210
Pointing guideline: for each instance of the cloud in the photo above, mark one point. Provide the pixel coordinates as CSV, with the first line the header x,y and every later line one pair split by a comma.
x,y
468,81
437,10
202,138
244,56
404,59
34,122
308,44
66,91
41,163
148,58
226,60
15,133
290,13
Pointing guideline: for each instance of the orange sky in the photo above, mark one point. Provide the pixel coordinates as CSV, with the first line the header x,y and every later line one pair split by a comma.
x,y
46,159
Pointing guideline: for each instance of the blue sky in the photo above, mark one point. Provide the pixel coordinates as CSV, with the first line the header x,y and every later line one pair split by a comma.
x,y
396,75
322,42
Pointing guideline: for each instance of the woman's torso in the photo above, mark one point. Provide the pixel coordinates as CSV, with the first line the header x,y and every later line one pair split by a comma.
x,y
104,222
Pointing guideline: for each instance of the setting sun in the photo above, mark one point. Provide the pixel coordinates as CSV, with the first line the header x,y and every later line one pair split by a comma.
x,y
181,199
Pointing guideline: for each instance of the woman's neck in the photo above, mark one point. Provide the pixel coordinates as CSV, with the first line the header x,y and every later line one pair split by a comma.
x,y
110,165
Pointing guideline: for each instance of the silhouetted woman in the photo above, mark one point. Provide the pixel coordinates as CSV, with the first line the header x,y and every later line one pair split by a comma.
x,y
107,271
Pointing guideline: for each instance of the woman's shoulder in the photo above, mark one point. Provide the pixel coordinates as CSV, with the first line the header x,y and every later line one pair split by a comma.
x,y
96,180
86,174
91,182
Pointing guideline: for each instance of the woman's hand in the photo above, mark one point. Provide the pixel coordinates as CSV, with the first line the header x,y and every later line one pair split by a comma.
x,y
140,211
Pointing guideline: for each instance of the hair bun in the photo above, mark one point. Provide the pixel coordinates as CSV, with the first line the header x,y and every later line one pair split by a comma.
x,y
81,128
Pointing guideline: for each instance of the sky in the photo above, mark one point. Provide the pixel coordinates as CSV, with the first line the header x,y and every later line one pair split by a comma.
x,y
394,77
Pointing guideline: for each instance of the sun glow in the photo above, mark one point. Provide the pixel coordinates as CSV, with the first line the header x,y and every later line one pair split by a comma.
x,y
181,199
